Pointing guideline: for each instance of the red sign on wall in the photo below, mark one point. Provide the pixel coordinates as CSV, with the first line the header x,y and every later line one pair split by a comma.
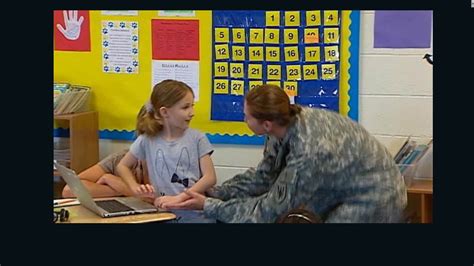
x,y
175,39
72,30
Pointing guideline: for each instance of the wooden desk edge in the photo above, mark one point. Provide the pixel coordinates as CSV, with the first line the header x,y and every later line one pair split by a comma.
x,y
72,115
421,186
79,214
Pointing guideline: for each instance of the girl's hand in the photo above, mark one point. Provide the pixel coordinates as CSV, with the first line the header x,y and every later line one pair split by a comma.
x,y
149,200
164,201
194,202
144,191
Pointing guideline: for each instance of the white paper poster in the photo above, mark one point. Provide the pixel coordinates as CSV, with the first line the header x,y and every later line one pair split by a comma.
x,y
185,71
177,13
120,12
120,47
292,99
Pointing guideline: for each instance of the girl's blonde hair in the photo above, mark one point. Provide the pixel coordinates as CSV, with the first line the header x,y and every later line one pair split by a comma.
x,y
165,94
270,102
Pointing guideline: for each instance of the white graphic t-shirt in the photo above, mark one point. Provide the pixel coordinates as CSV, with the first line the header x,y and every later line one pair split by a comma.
x,y
172,165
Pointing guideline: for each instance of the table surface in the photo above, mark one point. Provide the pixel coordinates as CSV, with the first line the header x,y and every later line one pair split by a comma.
x,y
79,214
421,186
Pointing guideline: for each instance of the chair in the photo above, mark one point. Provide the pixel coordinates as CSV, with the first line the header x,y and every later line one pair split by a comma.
x,y
299,216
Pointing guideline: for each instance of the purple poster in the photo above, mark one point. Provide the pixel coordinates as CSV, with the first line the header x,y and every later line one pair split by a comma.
x,y
402,29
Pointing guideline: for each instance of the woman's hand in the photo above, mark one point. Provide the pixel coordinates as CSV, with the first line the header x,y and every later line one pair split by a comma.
x,y
195,201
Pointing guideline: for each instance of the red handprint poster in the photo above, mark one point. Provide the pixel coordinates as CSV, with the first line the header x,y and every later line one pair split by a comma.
x,y
72,30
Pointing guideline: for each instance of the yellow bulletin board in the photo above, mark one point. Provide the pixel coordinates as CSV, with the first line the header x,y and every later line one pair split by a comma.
x,y
118,97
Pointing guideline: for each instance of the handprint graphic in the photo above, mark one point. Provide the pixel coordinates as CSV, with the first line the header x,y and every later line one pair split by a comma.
x,y
71,30
72,24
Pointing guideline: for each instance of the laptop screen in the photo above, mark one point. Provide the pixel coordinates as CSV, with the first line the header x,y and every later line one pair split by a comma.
x,y
76,186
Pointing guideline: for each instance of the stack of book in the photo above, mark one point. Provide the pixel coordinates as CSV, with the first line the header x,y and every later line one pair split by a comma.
x,y
409,155
69,98
58,89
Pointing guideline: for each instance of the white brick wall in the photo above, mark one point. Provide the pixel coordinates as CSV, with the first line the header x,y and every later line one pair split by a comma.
x,y
396,100
395,90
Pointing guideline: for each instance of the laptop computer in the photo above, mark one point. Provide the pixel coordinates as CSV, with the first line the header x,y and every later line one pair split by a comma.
x,y
107,207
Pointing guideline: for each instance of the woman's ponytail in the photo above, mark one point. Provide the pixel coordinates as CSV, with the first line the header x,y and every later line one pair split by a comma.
x,y
294,110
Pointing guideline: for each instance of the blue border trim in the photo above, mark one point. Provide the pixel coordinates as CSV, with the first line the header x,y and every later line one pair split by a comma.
x,y
236,139
130,136
354,66
61,132
117,135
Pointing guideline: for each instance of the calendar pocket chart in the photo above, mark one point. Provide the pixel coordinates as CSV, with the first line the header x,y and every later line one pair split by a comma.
x,y
298,51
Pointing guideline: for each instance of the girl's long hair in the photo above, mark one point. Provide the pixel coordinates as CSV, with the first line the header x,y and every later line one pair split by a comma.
x,y
165,94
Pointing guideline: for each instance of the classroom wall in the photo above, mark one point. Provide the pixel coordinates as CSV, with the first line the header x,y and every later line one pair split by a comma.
x,y
396,100
395,90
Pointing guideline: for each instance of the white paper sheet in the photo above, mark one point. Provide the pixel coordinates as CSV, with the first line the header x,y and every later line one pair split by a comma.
x,y
185,71
65,202
292,99
120,12
120,47
177,13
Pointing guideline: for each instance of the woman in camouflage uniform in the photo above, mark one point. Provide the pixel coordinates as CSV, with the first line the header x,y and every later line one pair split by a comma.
x,y
313,158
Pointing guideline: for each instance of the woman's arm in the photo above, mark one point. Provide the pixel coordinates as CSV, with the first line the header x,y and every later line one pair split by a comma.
x,y
295,186
252,182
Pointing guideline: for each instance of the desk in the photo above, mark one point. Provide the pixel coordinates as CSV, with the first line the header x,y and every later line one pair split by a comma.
x,y
420,199
79,214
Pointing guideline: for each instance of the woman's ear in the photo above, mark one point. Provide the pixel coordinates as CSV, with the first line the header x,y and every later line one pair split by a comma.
x,y
268,126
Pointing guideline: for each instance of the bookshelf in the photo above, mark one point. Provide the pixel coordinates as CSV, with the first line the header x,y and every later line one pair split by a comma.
x,y
83,138
416,166
420,200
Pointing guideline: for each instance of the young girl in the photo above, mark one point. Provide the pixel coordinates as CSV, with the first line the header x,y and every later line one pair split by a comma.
x,y
177,156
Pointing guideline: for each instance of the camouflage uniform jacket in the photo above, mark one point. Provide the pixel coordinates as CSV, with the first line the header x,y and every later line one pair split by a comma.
x,y
327,163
